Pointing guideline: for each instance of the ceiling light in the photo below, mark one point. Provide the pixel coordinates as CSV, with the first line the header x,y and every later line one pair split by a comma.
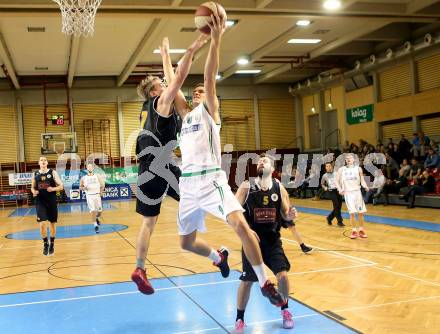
x,y
303,41
303,23
247,71
313,110
230,23
330,105
218,77
243,60
332,4
171,51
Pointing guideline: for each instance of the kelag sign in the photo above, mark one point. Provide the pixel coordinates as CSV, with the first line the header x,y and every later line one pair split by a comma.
x,y
360,114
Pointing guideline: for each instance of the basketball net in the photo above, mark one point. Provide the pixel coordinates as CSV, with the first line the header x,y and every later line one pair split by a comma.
x,y
78,16
59,147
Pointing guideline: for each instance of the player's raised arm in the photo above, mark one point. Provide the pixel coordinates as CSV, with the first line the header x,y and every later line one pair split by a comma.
x,y
168,96
179,102
211,66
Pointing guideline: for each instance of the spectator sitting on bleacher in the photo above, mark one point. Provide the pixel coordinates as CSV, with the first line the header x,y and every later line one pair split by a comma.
x,y
432,160
416,169
376,188
405,168
426,185
391,167
394,186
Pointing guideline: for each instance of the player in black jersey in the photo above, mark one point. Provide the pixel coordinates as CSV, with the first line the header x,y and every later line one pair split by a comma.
x,y
158,175
45,184
267,208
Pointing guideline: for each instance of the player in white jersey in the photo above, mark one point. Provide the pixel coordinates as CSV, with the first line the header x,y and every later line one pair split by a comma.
x,y
203,185
349,180
93,185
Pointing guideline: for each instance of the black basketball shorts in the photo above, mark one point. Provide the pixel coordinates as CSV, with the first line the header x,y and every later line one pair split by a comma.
x,y
155,189
273,257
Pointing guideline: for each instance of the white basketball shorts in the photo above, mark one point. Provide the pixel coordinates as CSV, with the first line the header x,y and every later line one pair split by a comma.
x,y
354,201
201,194
94,202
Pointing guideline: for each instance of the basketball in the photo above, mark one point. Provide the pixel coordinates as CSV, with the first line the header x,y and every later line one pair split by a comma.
x,y
203,15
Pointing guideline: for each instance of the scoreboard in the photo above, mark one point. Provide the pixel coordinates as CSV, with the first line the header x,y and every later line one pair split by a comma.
x,y
57,119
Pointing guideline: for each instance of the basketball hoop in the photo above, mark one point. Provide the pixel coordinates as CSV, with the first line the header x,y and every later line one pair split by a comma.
x,y
78,16
59,147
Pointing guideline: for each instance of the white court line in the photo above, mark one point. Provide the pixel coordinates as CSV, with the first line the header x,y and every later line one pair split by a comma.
x,y
163,289
65,243
199,330
338,254
317,314
373,264
407,276
329,269
99,240
251,323
385,304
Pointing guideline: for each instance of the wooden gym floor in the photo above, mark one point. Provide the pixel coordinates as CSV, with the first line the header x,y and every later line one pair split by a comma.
x,y
388,283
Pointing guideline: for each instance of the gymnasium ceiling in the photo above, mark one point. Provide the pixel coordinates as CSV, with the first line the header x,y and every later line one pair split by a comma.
x,y
127,32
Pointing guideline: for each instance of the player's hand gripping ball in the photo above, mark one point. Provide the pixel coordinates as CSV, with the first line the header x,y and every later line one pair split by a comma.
x,y
203,15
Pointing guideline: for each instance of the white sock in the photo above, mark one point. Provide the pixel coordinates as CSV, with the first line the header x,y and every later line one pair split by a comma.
x,y
215,256
95,223
361,228
261,274
355,229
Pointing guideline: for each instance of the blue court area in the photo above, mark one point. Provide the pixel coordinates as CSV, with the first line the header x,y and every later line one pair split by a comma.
x,y
64,208
417,224
201,303
68,231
